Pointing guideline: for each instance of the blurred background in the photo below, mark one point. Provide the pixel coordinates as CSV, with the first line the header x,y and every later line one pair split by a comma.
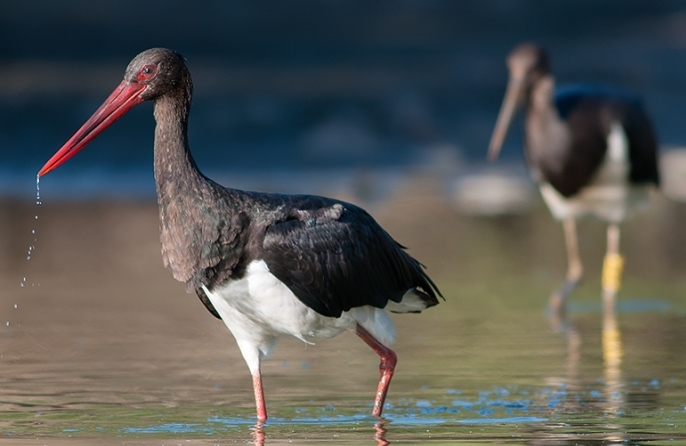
x,y
333,86
388,104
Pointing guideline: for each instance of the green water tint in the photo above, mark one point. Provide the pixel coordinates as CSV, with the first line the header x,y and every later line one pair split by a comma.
x,y
107,353
541,382
512,415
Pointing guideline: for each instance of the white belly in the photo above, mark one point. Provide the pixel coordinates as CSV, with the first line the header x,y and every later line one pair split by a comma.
x,y
259,308
609,203
609,196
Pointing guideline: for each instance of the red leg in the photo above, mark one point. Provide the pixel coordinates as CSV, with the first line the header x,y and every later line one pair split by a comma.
x,y
388,361
259,398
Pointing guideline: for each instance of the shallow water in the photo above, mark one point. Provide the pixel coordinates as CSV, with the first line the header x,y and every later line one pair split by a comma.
x,y
108,349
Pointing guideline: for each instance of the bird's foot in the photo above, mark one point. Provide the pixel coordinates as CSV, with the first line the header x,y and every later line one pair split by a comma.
x,y
557,303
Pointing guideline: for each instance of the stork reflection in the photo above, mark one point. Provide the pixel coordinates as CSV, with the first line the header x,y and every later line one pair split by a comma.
x,y
580,394
258,434
613,396
612,359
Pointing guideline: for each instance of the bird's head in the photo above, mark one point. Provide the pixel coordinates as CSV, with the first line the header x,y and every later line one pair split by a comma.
x,y
528,64
156,72
153,74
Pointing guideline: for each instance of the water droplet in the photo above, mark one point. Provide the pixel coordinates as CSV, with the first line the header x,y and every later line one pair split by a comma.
x,y
15,305
7,324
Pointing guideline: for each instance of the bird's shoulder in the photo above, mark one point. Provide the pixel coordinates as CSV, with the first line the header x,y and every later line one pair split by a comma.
x,y
571,98
312,219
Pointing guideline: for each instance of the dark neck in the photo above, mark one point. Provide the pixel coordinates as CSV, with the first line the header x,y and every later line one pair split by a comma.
x,y
175,167
180,190
539,82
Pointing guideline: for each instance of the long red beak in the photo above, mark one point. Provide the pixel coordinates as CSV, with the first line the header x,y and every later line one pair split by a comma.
x,y
123,98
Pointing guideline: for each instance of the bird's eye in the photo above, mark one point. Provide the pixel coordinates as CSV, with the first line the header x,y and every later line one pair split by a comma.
x,y
147,72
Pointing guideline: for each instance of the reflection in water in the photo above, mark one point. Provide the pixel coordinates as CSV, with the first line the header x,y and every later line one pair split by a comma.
x,y
562,324
380,434
258,434
614,401
72,352
612,358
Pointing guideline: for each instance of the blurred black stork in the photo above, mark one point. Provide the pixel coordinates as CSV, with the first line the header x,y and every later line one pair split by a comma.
x,y
268,265
591,149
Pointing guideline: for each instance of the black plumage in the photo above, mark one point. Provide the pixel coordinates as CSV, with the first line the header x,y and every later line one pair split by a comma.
x,y
335,257
267,264
591,148
589,111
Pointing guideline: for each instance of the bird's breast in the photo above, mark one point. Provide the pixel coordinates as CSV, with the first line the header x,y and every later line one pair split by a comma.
x,y
608,194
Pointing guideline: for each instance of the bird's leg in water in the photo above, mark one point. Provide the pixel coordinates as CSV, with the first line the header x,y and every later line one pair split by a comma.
x,y
259,398
388,361
613,266
574,269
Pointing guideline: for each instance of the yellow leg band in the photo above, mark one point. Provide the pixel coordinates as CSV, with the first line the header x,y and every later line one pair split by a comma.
x,y
612,272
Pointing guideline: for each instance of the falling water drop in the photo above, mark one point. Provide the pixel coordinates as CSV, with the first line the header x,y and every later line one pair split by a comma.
x,y
32,247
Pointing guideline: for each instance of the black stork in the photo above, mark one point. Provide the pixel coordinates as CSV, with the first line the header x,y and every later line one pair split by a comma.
x,y
269,265
590,148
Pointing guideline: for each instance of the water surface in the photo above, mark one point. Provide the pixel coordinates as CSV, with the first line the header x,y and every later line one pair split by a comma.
x,y
110,350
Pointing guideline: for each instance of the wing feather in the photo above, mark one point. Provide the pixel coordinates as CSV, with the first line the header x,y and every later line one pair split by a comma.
x,y
337,257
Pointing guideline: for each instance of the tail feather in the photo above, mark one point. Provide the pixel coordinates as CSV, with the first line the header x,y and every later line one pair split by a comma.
x,y
377,322
413,301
